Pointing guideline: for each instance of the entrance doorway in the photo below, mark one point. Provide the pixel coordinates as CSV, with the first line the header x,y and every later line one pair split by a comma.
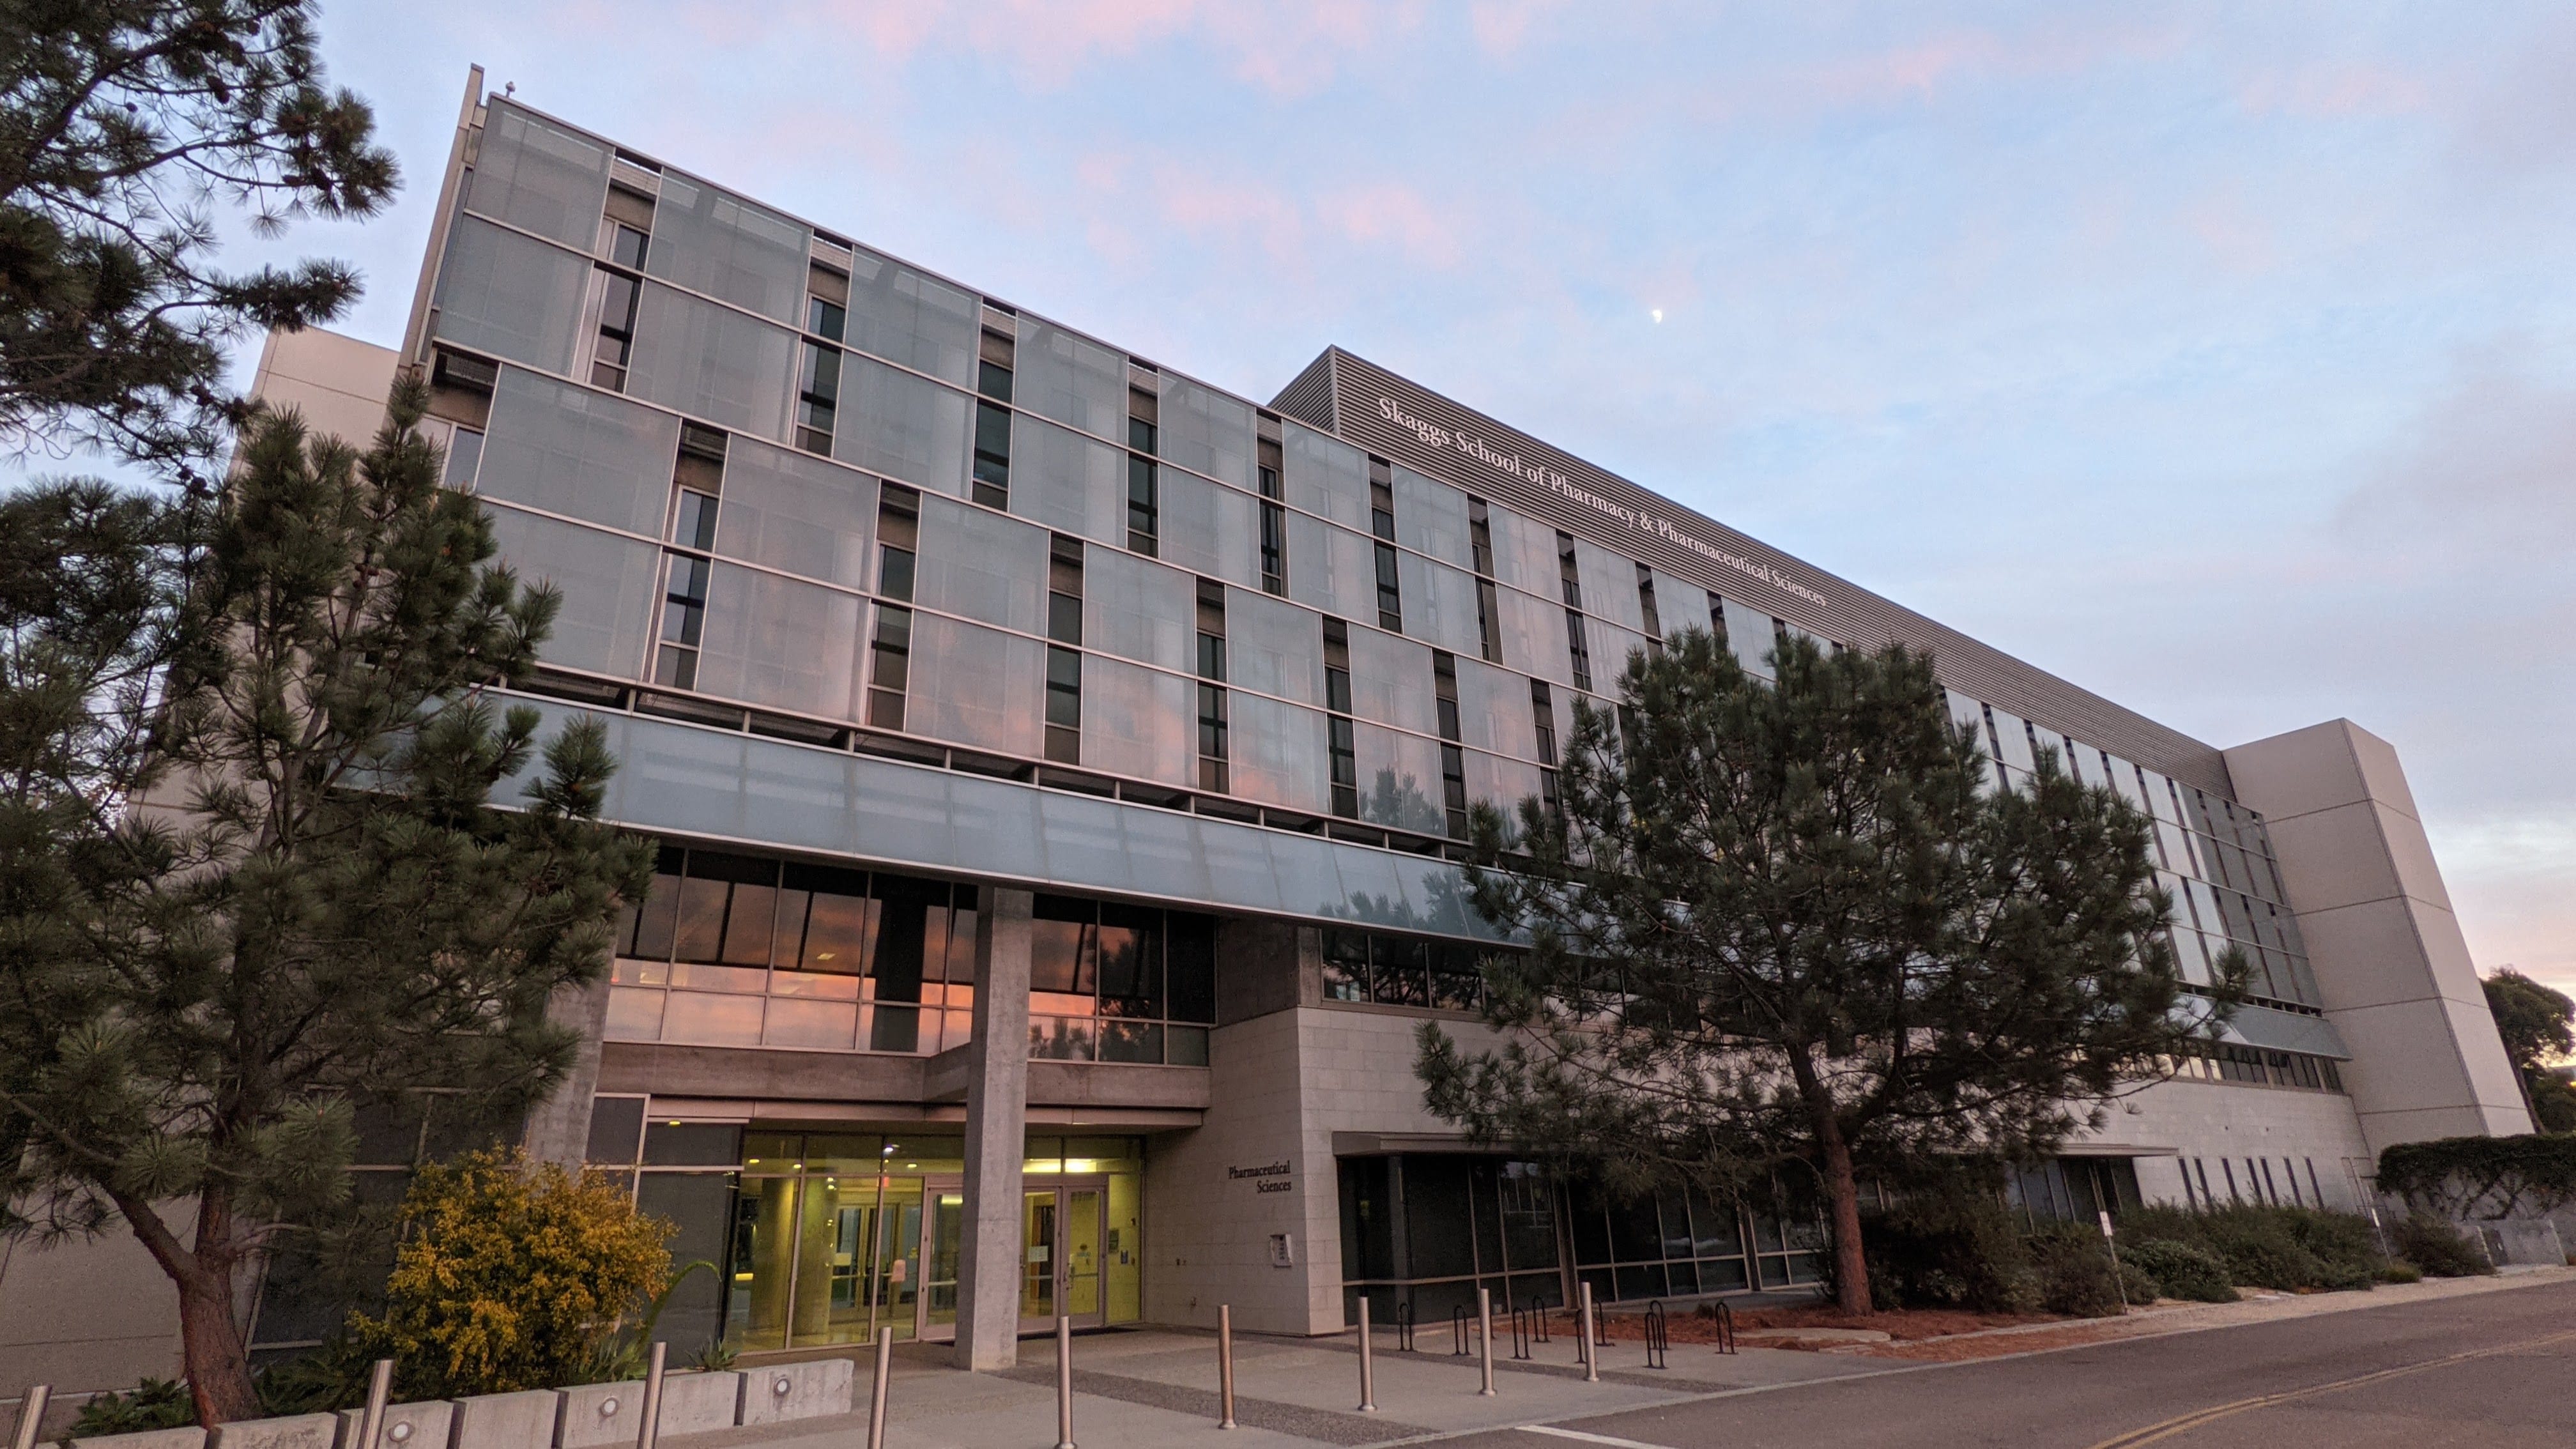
x,y
1060,1256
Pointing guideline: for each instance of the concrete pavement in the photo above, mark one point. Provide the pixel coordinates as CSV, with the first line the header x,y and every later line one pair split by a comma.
x,y
1152,1389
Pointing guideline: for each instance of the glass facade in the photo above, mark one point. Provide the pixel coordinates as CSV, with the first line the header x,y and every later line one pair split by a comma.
x,y
817,1238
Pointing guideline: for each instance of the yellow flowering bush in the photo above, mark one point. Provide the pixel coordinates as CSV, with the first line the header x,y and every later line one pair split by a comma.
x,y
513,1275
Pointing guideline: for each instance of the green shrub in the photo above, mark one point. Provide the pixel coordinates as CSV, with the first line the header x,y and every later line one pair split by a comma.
x,y
2075,1274
2179,1269
2438,1248
2286,1248
2138,1284
2398,1270
152,1404
1948,1248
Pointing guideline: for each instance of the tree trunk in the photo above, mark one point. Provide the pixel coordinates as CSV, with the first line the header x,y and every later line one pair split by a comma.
x,y
218,1361
1842,1192
1842,1186
212,1351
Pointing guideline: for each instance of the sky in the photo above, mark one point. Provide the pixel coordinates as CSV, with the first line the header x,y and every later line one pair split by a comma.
x,y
2218,358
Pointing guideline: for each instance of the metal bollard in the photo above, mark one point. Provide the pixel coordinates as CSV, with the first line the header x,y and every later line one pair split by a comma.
x,y
648,1422
1063,1382
1224,1366
1591,1358
371,1423
877,1390
31,1414
1368,1370
1485,1337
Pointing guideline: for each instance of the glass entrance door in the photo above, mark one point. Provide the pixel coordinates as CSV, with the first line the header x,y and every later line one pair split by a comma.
x,y
1060,1258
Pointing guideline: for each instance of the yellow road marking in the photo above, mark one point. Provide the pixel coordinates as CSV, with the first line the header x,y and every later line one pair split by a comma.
x,y
2152,1433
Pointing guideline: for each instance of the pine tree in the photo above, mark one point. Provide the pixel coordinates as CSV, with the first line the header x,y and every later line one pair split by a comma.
x,y
127,129
1786,932
254,875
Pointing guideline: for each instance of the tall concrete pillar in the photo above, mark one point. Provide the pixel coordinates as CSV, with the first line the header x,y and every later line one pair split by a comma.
x,y
2391,963
997,1109
558,1127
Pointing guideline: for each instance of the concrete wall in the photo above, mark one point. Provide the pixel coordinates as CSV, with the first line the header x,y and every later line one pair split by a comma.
x,y
338,383
2391,964
85,1316
2170,1122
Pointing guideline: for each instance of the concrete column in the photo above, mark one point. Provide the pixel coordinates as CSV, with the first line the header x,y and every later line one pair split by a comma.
x,y
997,1108
558,1127
2392,966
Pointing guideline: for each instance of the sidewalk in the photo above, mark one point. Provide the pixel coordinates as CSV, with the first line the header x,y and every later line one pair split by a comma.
x,y
1157,1388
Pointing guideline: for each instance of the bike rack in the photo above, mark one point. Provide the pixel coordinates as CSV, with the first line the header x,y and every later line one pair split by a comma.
x,y
1659,1338
1458,1334
1725,1318
1538,1308
1520,1334
1404,1326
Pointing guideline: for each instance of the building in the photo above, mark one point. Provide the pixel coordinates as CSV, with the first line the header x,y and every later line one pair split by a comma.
x,y
1061,764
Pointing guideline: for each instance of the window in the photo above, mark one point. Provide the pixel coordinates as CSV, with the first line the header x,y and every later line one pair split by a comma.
x,y
1064,706
1646,605
1577,651
1274,523
846,960
1368,966
1453,761
898,540
890,665
1211,690
825,319
1118,983
992,474
1340,742
614,347
684,618
818,398
1390,607
1064,666
1144,506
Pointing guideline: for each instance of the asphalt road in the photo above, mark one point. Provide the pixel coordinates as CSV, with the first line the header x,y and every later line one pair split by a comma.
x,y
2495,1370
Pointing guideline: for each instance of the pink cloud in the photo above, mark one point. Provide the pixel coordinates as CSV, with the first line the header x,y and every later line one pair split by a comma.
x,y
1391,213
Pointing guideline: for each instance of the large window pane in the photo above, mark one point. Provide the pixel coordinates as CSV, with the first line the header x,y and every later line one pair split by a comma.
x,y
501,293
1439,604
779,642
904,316
1494,710
1332,569
1524,552
1325,476
585,454
1609,585
539,177
1211,530
714,242
902,426
1432,516
1138,609
1391,682
981,564
796,512
1205,431
1400,780
1749,635
1274,647
1278,753
1502,782
1068,482
607,584
711,362
1534,635
1138,722
1070,378
975,686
